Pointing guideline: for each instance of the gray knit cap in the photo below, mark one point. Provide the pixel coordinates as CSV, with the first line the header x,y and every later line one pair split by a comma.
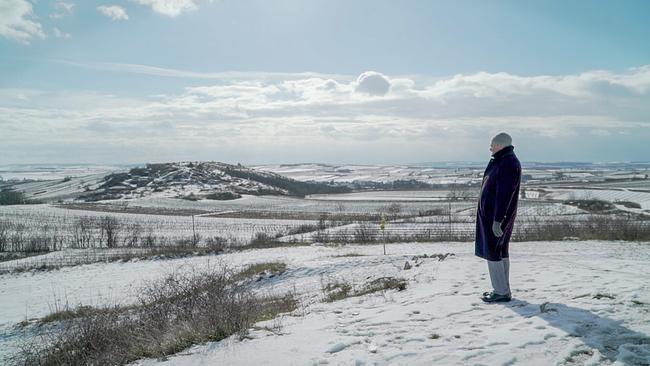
x,y
502,139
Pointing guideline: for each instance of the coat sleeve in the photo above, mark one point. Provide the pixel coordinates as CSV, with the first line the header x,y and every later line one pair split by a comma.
x,y
507,181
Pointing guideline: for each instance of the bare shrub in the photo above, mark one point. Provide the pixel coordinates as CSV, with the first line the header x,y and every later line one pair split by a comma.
x,y
424,235
82,233
109,228
261,239
148,240
217,244
338,290
365,233
393,210
302,229
40,240
433,212
458,192
322,221
189,241
17,238
4,235
132,235
596,227
172,314
381,284
69,313
271,269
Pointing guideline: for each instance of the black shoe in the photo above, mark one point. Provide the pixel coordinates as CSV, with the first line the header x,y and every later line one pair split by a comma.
x,y
494,297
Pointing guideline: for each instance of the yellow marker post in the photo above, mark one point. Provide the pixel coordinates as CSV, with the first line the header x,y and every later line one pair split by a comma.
x,y
382,226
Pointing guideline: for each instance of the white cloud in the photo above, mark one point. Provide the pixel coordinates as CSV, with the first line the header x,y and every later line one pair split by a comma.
x,y
15,22
62,9
373,83
59,34
482,84
171,8
115,12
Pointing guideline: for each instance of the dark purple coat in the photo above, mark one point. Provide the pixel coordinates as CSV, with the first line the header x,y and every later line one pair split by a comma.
x,y
497,202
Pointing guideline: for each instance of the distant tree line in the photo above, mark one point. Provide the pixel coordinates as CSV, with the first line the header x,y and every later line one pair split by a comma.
x,y
294,187
403,184
9,196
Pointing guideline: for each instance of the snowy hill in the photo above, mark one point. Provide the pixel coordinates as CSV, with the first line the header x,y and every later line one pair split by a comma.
x,y
188,180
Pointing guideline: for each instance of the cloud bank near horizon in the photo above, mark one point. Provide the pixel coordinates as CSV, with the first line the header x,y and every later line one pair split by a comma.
x,y
366,118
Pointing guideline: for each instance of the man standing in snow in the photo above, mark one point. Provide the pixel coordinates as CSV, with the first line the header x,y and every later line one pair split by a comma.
x,y
495,217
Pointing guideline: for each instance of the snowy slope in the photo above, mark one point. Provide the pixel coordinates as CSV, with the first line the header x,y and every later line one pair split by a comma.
x,y
438,319
555,318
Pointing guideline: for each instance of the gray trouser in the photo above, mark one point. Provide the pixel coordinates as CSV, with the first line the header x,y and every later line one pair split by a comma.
x,y
500,276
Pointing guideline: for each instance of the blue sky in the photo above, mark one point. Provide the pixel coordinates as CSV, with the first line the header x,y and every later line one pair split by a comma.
x,y
264,81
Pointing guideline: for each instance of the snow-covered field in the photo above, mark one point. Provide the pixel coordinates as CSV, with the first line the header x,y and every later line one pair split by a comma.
x,y
377,173
575,303
374,202
171,227
245,218
386,196
371,203
468,172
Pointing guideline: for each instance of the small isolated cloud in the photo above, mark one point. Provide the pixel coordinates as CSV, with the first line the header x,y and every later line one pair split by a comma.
x,y
62,9
58,34
373,83
15,22
171,8
115,12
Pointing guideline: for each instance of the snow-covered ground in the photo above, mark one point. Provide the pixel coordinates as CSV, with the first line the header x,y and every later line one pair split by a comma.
x,y
575,303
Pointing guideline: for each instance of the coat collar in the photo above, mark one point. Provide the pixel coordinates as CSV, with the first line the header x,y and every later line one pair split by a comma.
x,y
508,150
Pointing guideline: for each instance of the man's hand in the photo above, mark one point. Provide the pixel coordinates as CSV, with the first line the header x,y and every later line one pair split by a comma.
x,y
496,229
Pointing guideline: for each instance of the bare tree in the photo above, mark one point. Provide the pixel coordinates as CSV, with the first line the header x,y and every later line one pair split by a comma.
x,y
82,232
364,233
393,210
109,231
4,235
17,238
133,235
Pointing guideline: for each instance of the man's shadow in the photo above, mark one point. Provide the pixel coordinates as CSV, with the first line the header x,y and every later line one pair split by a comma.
x,y
614,341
